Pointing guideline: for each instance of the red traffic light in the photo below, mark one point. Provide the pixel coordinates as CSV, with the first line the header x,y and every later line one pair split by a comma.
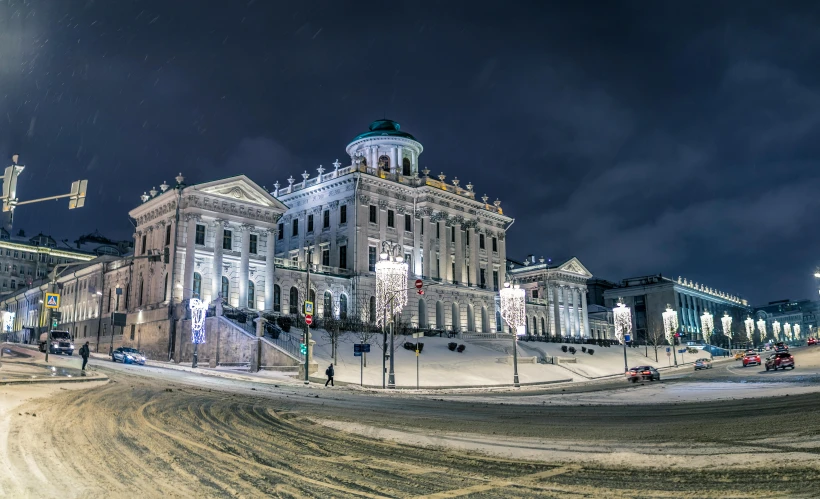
x,y
419,284
421,291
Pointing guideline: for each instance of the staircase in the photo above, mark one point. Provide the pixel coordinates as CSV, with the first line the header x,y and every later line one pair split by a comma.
x,y
287,343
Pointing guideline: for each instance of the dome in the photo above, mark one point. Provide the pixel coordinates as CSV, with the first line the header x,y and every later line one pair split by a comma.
x,y
384,128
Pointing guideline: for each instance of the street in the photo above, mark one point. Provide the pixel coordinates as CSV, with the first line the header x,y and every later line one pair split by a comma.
x,y
154,432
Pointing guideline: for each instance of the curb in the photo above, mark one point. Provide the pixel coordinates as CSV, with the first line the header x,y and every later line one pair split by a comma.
x,y
100,377
437,387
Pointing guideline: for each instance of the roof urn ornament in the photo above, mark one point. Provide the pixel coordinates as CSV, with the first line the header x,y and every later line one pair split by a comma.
x,y
485,198
305,176
441,177
276,188
145,197
426,172
163,186
470,186
290,181
179,178
456,181
336,164
321,170
153,192
497,203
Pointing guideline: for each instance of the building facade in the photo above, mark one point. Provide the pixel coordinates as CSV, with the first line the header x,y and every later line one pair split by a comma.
x,y
802,312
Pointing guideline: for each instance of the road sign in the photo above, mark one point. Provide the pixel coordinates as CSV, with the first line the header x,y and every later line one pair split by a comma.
x,y
419,283
308,308
668,349
52,300
361,347
118,319
418,335
308,320
627,338
682,350
357,354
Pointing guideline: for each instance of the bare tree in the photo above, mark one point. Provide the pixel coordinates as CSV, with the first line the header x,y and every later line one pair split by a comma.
x,y
655,334
361,322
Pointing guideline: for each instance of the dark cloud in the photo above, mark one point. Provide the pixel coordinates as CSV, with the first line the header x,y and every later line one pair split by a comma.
x,y
642,137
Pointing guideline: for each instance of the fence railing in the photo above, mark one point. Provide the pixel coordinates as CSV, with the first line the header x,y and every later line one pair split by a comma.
x,y
287,342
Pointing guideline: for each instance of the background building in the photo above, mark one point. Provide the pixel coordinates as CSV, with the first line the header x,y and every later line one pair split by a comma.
x,y
803,312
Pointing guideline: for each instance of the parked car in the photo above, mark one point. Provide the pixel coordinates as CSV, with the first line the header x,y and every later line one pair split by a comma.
x,y
642,373
128,355
811,341
703,364
751,358
780,360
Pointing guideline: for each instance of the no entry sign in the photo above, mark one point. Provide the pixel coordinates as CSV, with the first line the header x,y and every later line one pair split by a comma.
x,y
419,284
308,320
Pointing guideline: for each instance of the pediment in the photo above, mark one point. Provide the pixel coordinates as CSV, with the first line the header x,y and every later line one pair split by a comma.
x,y
242,189
574,266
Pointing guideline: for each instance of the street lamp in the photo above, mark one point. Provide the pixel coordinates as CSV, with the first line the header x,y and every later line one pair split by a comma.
x,y
391,297
707,322
776,330
670,327
622,316
761,328
750,328
726,320
199,310
513,303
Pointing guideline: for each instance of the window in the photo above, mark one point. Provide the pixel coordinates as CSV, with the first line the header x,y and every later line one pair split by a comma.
x,y
17,253
422,227
281,231
253,242
438,231
453,235
226,289
295,231
482,278
327,309
342,257
343,214
495,280
405,167
373,218
227,240
108,307
371,312
200,234
325,256
495,245
164,292
310,223
197,285
371,258
293,304
535,293
408,223
13,283
343,307
326,219
140,296
251,293
408,259
167,234
481,241
133,330
384,163
391,219
277,298
144,245
31,257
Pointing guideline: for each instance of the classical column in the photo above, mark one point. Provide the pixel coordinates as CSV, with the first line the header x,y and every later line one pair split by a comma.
x,y
216,286
399,162
446,262
413,166
502,256
576,327
302,217
270,268
556,311
565,311
374,156
243,264
173,261
585,312
458,276
190,256
428,227
474,261
383,222
394,160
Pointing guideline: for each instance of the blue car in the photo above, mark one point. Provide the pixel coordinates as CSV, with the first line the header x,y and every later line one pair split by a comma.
x,y
128,355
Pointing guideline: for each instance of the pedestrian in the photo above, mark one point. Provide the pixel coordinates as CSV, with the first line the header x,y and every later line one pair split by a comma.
x,y
84,353
329,373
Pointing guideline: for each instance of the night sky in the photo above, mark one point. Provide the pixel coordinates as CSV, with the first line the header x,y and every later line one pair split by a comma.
x,y
641,137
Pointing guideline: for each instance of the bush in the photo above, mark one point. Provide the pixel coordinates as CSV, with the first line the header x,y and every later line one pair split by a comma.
x,y
584,349
452,346
460,348
284,323
572,350
564,348
590,351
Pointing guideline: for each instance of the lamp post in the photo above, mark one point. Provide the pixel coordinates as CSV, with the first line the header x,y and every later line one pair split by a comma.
x,y
707,323
391,297
726,320
761,328
513,303
776,330
622,316
199,310
670,327
750,329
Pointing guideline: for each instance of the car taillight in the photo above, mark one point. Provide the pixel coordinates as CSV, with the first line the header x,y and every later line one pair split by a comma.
x,y
647,372
791,357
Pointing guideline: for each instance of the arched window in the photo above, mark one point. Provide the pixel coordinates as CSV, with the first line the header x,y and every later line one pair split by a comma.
x,y
277,298
139,301
293,304
543,326
439,315
371,316
343,307
251,293
422,313
455,317
499,325
197,285
327,306
405,167
384,163
470,318
485,324
226,289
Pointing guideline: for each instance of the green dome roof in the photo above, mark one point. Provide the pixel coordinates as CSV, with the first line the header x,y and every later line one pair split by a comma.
x,y
384,128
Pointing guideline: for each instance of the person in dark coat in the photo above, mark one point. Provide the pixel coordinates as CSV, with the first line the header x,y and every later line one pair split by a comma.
x,y
329,373
84,353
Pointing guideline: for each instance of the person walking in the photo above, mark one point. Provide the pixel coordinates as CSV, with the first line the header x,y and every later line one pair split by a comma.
x,y
329,373
84,353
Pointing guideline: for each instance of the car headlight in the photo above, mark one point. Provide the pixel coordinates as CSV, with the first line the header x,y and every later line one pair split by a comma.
x,y
71,345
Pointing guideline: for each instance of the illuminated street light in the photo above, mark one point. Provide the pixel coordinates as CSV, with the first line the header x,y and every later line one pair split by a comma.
x,y
787,331
776,330
726,320
750,328
198,311
391,297
796,331
670,327
707,322
761,328
622,316
513,305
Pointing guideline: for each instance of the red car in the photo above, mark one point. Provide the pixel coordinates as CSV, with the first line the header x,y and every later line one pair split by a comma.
x,y
751,359
811,341
780,360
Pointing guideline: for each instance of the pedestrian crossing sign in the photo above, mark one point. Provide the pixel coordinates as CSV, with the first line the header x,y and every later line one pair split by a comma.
x,y
52,300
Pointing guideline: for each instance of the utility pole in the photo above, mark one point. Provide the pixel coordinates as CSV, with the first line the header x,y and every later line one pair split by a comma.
x,y
307,327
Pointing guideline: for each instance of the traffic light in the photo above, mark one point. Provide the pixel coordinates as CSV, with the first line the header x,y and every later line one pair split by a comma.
x,y
77,197
10,184
303,349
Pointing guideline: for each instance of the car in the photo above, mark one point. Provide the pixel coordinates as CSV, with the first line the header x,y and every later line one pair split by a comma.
x,y
739,355
751,358
781,347
780,360
811,341
128,355
643,373
703,364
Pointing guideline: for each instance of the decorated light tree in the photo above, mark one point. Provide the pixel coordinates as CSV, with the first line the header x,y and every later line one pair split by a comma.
x,y
761,328
391,297
797,331
513,310
726,320
622,317
750,329
776,330
199,310
787,331
707,323
670,327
